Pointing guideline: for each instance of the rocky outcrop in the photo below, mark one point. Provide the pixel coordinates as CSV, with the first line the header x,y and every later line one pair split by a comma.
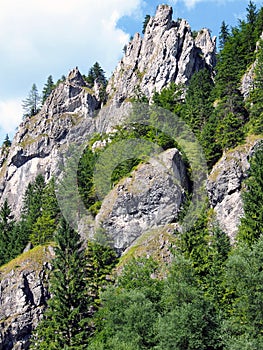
x,y
67,116
168,52
247,81
23,296
151,197
225,183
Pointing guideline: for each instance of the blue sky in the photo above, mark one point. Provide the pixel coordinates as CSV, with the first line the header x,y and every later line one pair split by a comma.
x,y
39,38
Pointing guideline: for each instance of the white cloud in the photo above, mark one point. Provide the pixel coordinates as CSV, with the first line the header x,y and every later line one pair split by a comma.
x,y
191,3
10,117
39,38
39,35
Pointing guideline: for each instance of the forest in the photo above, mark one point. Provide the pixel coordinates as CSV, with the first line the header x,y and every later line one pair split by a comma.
x,y
211,296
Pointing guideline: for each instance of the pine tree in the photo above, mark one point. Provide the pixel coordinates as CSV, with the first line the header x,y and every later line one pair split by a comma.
x,y
251,227
101,259
31,104
66,322
6,227
32,201
48,88
96,73
242,330
145,22
198,106
224,34
255,99
7,142
44,226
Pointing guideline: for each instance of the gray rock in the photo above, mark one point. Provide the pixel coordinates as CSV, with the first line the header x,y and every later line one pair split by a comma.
x,y
67,116
151,197
23,297
167,53
224,186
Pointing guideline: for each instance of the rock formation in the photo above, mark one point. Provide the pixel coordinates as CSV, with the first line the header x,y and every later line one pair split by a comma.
x,y
168,52
67,116
225,183
150,197
23,296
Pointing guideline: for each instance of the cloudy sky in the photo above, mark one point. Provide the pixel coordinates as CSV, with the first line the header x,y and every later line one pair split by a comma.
x,y
42,38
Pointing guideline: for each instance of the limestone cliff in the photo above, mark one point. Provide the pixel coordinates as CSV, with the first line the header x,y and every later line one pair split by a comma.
x,y
225,183
168,52
23,296
66,117
150,197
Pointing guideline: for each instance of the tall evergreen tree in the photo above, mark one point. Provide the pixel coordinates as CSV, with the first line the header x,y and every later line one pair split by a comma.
x,y
44,227
31,104
7,142
48,88
223,35
145,22
251,227
198,106
255,100
6,231
242,329
101,259
96,73
66,323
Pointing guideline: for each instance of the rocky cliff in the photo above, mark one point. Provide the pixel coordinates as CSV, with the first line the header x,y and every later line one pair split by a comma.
x,y
168,52
147,200
225,184
23,296
66,117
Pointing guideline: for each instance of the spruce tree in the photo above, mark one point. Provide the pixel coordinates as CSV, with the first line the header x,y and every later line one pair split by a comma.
x,y
6,227
48,88
145,22
44,227
66,322
96,73
223,35
31,105
255,100
251,227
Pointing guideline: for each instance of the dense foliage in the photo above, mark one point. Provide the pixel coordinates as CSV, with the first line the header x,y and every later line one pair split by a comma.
x,y
210,297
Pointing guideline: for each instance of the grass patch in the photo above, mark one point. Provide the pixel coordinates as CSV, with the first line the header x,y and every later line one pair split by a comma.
x,y
34,259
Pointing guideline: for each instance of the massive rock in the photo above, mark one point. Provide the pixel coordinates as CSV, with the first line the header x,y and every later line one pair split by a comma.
x,y
225,183
23,296
167,53
67,116
151,197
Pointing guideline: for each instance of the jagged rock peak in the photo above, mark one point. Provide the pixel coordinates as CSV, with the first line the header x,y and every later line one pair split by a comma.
x,y
162,18
75,78
168,52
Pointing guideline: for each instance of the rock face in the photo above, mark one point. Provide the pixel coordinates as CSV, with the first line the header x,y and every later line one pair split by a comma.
x,y
168,52
151,197
23,296
247,81
67,116
224,186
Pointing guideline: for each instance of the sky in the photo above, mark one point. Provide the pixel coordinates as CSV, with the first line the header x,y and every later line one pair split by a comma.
x,y
42,38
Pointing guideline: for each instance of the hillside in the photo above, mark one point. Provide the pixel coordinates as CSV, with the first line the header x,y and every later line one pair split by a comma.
x,y
131,210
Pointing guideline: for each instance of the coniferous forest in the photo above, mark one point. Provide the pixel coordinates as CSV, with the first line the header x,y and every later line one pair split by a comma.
x,y
210,297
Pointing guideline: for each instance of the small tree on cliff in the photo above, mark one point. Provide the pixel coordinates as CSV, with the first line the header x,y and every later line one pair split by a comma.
x,y
31,104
